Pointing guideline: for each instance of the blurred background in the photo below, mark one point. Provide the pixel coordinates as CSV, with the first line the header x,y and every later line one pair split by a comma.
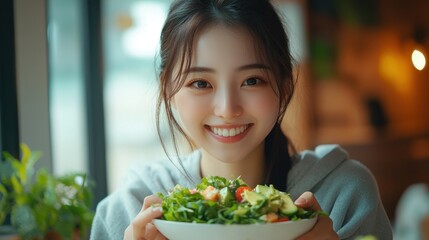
x,y
81,86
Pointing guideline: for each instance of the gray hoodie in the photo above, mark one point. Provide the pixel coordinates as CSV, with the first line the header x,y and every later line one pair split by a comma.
x,y
345,189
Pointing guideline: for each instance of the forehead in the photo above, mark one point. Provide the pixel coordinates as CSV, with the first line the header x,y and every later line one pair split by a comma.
x,y
220,45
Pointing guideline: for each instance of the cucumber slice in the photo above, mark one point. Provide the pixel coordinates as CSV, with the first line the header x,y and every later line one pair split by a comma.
x,y
287,206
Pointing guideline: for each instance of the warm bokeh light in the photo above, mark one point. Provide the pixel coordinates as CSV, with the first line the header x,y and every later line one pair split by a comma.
x,y
396,71
419,60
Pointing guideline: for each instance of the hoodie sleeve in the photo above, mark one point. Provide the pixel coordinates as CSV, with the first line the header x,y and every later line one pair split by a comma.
x,y
115,212
357,209
345,189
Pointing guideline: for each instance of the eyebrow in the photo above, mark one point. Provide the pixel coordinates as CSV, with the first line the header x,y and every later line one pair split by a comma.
x,y
254,66
242,68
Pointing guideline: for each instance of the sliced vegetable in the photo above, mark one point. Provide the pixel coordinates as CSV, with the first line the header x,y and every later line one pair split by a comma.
x,y
287,207
253,198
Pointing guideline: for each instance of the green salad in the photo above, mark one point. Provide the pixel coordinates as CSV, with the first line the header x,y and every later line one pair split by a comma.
x,y
221,201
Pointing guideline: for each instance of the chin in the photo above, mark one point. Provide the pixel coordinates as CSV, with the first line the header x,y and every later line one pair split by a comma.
x,y
229,158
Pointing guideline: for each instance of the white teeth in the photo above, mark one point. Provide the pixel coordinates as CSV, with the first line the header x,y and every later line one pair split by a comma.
x,y
228,132
225,133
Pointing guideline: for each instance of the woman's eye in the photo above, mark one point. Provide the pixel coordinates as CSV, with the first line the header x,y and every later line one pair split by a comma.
x,y
200,84
251,81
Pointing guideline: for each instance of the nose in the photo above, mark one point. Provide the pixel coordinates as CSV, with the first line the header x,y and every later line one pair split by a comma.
x,y
227,104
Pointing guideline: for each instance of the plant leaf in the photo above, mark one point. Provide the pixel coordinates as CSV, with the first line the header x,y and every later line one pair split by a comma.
x,y
17,187
46,203
23,219
31,157
7,156
3,203
6,171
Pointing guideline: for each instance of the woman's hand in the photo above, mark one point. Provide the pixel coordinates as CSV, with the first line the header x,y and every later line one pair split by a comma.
x,y
323,229
142,228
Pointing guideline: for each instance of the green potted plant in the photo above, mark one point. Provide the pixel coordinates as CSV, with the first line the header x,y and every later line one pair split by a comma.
x,y
41,205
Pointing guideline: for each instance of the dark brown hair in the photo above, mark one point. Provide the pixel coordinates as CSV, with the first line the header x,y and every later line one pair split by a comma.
x,y
184,21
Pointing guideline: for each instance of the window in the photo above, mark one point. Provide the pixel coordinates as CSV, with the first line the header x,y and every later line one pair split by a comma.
x,y
131,36
67,109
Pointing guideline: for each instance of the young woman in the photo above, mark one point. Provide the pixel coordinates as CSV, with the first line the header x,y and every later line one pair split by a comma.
x,y
225,82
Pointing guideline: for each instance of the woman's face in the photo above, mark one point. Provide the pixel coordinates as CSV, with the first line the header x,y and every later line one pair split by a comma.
x,y
228,103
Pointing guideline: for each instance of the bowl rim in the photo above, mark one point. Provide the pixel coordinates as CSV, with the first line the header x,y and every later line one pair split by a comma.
x,y
234,224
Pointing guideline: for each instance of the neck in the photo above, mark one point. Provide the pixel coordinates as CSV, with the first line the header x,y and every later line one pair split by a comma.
x,y
251,169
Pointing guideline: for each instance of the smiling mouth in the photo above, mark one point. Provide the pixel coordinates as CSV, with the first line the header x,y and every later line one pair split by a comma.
x,y
229,131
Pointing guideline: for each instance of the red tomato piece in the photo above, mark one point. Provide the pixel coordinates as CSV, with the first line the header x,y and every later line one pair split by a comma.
x,y
239,192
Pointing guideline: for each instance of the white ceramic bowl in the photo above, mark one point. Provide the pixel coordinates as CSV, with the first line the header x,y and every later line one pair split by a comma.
x,y
200,231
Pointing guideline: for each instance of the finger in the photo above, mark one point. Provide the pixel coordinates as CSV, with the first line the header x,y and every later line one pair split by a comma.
x,y
128,234
148,212
160,237
144,218
151,200
307,200
142,225
151,232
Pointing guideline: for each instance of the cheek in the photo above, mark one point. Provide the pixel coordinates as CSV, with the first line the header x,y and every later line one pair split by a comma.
x,y
190,110
266,105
